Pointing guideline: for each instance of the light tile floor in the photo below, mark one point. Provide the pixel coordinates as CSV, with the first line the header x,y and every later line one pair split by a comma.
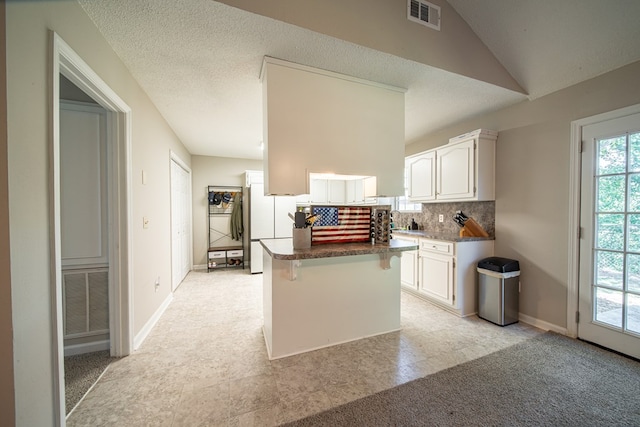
x,y
205,362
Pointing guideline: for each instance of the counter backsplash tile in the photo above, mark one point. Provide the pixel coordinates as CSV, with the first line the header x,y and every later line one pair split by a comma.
x,y
483,212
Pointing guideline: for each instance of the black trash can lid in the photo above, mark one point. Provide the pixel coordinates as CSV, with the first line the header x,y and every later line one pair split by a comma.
x,y
500,265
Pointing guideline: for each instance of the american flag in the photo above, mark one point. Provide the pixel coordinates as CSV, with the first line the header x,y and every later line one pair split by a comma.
x,y
341,225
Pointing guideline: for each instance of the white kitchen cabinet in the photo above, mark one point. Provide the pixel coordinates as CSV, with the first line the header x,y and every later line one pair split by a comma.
x,y
421,176
409,265
325,191
465,168
435,271
355,191
456,171
337,194
445,272
370,184
319,191
303,199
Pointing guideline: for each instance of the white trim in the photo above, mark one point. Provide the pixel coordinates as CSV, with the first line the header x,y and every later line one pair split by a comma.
x,y
88,347
176,158
575,168
66,61
275,61
541,324
573,257
148,327
55,242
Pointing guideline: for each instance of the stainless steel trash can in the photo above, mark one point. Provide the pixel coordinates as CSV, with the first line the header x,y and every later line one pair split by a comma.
x,y
499,290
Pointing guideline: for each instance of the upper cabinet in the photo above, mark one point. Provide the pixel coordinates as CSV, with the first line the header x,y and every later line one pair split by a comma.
x,y
421,174
463,170
355,191
456,171
351,191
319,191
337,191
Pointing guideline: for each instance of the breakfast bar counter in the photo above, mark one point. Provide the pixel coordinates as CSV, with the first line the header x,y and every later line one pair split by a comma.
x,y
329,294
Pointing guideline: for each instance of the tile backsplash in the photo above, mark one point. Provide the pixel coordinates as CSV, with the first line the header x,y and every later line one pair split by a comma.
x,y
483,212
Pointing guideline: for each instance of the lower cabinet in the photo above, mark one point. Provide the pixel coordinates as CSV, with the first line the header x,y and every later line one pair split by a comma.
x,y
445,273
435,274
409,265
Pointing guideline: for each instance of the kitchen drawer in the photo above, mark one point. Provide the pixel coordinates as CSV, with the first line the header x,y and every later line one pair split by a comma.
x,y
234,253
217,254
437,246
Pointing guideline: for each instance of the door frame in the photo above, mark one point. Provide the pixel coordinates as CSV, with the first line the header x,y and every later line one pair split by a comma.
x,y
175,158
64,60
575,184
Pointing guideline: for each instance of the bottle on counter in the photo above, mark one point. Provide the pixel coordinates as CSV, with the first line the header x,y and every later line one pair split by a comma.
x,y
414,224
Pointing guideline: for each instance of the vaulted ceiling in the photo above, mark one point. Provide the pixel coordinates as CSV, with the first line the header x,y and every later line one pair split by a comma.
x,y
199,60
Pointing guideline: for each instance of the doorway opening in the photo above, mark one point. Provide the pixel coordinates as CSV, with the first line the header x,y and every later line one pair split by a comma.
x,y
117,199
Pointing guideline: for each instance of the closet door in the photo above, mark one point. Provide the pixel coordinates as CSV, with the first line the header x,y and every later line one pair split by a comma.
x,y
180,222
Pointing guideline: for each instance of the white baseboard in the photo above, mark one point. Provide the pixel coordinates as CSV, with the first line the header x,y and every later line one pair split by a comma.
x,y
146,329
88,347
541,324
200,267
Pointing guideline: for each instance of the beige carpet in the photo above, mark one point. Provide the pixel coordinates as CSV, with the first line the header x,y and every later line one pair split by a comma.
x,y
81,372
550,380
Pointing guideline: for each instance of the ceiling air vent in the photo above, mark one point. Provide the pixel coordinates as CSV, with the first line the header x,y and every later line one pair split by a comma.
x,y
424,13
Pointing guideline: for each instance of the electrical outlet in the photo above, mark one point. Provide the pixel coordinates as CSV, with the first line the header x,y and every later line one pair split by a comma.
x,y
440,218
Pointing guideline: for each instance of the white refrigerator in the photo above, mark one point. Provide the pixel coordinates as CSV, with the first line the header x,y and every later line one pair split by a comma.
x,y
268,218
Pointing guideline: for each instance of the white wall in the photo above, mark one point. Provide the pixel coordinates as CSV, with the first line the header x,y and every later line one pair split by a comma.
x,y
28,87
7,403
532,181
316,121
382,25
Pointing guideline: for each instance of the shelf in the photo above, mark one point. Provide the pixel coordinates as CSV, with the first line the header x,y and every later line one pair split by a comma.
x,y
225,257
223,203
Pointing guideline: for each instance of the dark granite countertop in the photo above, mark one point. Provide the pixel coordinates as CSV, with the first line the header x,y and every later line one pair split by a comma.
x,y
449,237
283,249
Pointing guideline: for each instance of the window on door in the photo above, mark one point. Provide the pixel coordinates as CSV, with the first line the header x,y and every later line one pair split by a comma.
x,y
616,253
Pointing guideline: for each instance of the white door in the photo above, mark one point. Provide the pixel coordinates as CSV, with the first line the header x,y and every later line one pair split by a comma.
x,y
180,223
408,265
256,257
421,172
456,171
261,212
282,223
436,277
609,290
83,185
318,189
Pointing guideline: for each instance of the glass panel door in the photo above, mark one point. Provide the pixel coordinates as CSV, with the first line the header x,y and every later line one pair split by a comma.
x,y
610,245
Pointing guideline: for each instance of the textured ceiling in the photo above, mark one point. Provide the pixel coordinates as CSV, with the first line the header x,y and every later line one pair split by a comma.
x,y
548,45
199,61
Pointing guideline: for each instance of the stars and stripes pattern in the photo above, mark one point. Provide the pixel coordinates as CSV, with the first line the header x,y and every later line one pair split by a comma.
x,y
341,224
